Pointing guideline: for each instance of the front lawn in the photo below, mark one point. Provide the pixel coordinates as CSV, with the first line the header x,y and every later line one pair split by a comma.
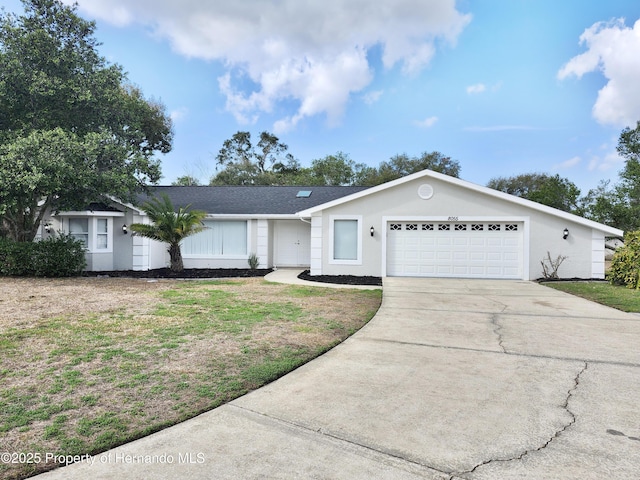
x,y
615,296
87,364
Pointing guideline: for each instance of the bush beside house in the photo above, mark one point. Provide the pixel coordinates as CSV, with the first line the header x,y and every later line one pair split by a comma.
x,y
60,256
625,265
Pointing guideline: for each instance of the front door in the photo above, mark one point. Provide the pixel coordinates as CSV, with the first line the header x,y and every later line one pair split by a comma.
x,y
293,243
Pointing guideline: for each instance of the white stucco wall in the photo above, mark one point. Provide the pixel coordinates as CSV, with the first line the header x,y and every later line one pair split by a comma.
x,y
122,243
100,262
451,200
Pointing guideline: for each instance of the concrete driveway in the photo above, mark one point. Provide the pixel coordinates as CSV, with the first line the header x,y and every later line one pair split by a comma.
x,y
453,379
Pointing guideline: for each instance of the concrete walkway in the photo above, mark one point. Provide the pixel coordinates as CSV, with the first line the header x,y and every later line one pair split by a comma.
x,y
452,379
290,276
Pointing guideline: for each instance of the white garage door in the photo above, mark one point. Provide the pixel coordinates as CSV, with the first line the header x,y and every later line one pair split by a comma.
x,y
455,249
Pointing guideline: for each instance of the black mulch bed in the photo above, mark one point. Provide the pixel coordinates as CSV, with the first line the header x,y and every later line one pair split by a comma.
x,y
230,273
186,273
341,279
574,279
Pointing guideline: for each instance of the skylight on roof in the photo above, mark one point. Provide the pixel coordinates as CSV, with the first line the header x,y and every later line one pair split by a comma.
x,y
304,194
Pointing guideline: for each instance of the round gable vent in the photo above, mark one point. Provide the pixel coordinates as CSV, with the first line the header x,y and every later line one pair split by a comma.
x,y
425,191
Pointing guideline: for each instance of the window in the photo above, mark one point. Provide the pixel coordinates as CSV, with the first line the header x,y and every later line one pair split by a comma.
x,y
494,227
477,227
412,226
427,226
93,232
511,227
444,227
395,226
102,234
345,239
460,227
220,238
79,229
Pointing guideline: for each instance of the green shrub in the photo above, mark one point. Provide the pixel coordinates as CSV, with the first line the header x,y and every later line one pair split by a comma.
x,y
15,258
60,256
254,261
625,265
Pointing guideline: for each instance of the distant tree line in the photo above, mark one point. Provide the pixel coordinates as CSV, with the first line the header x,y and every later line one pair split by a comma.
x,y
268,162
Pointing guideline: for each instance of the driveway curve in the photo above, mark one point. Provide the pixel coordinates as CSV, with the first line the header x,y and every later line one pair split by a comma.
x,y
452,379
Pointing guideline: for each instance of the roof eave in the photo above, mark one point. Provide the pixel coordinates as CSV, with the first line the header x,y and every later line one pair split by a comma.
x,y
308,213
256,216
128,205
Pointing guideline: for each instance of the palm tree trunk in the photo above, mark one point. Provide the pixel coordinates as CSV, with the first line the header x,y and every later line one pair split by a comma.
x,y
176,258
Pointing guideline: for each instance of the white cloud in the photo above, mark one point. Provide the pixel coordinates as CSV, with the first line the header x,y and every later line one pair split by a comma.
x,y
179,114
372,97
477,88
313,53
572,162
427,122
614,50
606,162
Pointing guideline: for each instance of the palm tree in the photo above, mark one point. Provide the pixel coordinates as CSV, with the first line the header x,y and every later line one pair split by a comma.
x,y
170,226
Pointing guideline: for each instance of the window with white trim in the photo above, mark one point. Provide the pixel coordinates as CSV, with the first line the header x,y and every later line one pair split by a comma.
x,y
220,238
79,229
102,234
346,240
94,232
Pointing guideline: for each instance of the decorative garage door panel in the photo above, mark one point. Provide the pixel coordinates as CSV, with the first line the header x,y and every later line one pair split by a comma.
x,y
455,249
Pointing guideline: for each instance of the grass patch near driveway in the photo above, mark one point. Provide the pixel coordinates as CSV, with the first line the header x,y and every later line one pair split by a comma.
x,y
615,296
87,364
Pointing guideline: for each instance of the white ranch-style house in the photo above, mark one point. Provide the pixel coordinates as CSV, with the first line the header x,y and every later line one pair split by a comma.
x,y
425,225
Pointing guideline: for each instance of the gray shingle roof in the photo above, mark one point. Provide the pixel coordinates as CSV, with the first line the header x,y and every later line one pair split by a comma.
x,y
250,200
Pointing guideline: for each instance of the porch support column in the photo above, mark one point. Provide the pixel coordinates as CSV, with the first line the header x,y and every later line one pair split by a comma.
x,y
262,246
316,245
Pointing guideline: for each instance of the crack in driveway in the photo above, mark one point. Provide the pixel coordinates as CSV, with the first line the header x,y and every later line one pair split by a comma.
x,y
497,329
565,406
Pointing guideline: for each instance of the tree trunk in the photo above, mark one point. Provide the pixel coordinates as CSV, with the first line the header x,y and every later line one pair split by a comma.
x,y
176,258
21,223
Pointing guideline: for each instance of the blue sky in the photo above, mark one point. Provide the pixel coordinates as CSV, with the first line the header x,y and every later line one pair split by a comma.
x,y
504,87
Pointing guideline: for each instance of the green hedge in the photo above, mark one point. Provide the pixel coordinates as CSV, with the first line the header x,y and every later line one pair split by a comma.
x,y
625,265
60,256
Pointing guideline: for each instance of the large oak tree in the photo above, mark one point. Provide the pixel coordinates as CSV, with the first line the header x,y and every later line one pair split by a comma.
x,y
551,190
246,163
72,128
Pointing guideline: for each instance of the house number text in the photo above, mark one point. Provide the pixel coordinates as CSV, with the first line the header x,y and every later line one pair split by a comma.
x,y
453,219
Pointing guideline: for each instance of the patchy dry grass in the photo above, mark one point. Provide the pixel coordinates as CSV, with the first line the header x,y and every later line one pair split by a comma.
x,y
87,364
